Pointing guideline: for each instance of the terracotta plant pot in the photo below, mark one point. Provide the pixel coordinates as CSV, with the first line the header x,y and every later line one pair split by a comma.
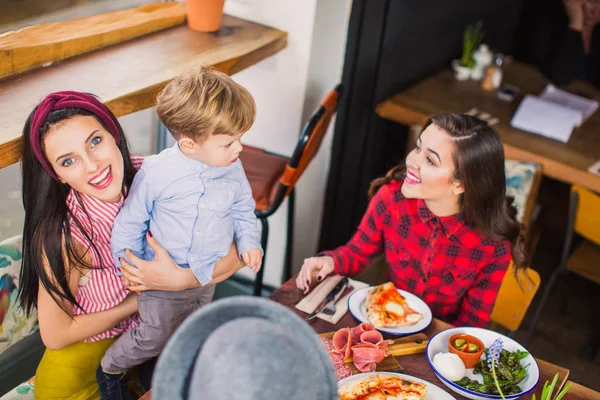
x,y
204,15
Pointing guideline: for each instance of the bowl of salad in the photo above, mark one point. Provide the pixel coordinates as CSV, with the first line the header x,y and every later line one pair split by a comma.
x,y
516,370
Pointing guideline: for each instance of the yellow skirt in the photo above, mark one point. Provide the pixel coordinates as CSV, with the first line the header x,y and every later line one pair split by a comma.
x,y
70,373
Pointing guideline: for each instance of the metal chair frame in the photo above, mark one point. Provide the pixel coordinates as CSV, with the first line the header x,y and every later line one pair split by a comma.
x,y
561,269
283,191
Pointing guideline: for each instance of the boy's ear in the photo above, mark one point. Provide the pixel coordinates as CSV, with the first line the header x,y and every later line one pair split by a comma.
x,y
187,145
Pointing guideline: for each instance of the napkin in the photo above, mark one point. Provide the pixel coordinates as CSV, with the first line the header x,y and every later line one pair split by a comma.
x,y
318,294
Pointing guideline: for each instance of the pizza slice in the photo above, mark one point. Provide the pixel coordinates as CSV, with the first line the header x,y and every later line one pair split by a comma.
x,y
401,389
386,307
384,387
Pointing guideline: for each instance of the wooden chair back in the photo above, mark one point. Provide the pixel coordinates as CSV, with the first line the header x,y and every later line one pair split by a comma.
x,y
514,297
311,138
587,216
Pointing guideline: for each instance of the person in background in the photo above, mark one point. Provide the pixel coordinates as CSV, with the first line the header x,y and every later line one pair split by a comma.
x,y
76,166
195,199
562,38
443,220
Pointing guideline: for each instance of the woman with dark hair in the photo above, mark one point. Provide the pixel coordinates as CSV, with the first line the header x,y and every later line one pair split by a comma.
x,y
76,169
443,220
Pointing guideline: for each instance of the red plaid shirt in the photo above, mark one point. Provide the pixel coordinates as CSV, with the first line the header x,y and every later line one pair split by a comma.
x,y
453,268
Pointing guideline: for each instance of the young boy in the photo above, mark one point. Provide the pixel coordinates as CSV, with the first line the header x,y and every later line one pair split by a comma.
x,y
195,199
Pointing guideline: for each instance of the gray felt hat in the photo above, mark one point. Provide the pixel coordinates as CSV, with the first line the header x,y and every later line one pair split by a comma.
x,y
244,348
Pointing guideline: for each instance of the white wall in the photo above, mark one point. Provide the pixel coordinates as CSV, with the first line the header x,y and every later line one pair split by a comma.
x,y
287,88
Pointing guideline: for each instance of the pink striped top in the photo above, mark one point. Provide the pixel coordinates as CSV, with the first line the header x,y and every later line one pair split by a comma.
x,y
100,288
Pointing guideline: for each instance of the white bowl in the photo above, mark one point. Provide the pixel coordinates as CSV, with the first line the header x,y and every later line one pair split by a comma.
x,y
439,344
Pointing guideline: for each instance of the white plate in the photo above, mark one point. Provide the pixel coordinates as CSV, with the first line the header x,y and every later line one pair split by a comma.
x,y
439,344
433,392
357,307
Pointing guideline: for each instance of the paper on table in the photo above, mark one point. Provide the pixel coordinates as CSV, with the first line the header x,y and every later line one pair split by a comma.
x,y
318,294
595,168
546,118
586,106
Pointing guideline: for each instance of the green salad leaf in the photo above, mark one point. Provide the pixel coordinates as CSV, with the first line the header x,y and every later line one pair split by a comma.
x,y
509,371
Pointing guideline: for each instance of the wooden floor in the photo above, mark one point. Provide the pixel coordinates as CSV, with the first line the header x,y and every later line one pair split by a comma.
x,y
560,335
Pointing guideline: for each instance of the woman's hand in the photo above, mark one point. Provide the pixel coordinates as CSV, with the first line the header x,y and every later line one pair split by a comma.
x,y
574,10
162,273
318,267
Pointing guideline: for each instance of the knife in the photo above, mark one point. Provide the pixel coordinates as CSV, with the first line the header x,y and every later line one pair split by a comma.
x,y
330,297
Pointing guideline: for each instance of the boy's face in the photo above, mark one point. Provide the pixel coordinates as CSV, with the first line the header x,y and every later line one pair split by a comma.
x,y
216,150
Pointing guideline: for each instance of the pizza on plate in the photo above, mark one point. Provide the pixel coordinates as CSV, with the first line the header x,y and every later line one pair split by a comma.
x,y
387,308
382,387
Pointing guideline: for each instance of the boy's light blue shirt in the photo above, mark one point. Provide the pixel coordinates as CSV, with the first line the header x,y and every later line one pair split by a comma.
x,y
192,209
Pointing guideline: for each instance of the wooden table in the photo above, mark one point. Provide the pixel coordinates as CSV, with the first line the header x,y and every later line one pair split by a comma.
x,y
567,162
578,391
128,76
416,364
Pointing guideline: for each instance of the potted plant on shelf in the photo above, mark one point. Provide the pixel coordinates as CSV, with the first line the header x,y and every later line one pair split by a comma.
x,y
471,39
204,15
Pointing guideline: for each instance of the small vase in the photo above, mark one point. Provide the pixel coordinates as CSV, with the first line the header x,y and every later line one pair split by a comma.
x,y
461,73
204,15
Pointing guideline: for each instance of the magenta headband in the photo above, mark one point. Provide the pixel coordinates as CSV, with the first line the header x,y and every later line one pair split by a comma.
x,y
68,99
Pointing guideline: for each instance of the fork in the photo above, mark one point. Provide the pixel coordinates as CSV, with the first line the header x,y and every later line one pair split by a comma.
x,y
330,307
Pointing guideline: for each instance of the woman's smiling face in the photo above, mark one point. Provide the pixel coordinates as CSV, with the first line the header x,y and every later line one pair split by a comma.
x,y
430,172
86,157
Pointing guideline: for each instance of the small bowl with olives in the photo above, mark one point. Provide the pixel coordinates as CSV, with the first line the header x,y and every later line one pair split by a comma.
x,y
467,347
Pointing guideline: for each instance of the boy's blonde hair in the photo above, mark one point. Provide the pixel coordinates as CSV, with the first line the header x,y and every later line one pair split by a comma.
x,y
203,102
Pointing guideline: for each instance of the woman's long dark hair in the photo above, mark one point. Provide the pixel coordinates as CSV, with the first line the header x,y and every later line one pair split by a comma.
x,y
479,166
47,231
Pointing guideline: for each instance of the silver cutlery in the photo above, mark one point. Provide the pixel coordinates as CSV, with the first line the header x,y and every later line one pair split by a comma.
x,y
330,307
331,296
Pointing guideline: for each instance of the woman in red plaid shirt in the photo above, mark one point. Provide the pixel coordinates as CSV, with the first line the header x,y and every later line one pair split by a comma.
x,y
443,220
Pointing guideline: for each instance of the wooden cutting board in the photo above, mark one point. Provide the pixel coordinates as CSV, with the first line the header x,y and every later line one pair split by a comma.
x,y
37,45
413,344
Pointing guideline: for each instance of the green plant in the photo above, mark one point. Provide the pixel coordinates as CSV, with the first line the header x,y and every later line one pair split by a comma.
x,y
501,371
471,39
548,389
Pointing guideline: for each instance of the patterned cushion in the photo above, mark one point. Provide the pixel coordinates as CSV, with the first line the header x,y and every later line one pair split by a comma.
x,y
14,325
22,392
519,180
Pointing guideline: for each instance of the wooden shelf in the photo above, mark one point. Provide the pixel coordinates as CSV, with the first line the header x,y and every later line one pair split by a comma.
x,y
567,162
128,76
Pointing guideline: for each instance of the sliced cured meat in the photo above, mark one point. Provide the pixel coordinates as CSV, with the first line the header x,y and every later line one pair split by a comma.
x,y
366,356
341,370
343,340
376,338
360,329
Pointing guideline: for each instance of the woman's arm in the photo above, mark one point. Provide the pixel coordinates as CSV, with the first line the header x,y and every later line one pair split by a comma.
x,y
358,253
163,273
59,329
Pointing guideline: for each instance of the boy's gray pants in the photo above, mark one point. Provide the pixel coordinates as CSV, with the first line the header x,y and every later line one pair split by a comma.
x,y
161,313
